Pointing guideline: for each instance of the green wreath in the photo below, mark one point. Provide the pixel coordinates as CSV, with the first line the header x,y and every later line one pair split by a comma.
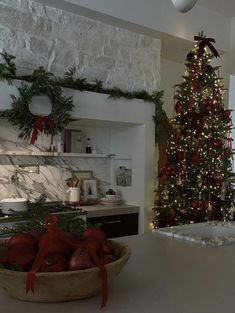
x,y
43,83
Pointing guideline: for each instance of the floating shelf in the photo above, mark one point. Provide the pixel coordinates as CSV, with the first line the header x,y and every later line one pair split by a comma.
x,y
52,154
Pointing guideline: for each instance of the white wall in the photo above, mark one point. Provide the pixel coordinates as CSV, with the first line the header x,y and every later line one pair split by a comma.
x,y
171,74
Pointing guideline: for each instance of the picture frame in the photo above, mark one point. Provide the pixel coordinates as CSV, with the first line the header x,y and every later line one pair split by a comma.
x,y
74,141
89,189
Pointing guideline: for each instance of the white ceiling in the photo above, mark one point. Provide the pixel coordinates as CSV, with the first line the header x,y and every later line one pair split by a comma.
x,y
224,7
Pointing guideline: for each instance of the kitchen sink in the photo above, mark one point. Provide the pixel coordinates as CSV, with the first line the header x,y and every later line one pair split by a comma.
x,y
208,233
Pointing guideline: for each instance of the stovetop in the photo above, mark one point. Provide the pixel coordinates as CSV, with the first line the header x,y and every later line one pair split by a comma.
x,y
52,207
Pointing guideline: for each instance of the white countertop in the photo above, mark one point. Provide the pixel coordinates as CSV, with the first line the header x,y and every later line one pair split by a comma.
x,y
105,210
163,276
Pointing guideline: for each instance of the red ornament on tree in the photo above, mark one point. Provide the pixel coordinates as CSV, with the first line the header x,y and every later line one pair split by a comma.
x,y
217,143
178,107
183,211
195,158
194,204
225,115
217,179
201,205
173,172
207,104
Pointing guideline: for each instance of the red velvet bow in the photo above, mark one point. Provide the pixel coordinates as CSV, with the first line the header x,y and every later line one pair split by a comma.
x,y
39,122
53,231
203,42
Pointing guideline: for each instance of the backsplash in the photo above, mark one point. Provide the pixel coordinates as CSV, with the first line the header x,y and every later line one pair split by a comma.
x,y
53,170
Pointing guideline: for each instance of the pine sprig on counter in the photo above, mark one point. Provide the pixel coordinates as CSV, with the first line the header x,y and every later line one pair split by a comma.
x,y
34,219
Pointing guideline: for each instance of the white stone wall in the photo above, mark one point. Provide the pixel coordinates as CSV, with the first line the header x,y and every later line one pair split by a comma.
x,y
56,39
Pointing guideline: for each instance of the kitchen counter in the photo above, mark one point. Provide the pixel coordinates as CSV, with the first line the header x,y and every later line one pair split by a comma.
x,y
163,275
91,210
107,210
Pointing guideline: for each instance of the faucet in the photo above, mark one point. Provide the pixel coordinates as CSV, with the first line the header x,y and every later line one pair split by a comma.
x,y
225,185
22,169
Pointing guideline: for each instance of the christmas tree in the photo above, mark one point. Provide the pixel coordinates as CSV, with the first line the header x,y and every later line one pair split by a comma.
x,y
199,151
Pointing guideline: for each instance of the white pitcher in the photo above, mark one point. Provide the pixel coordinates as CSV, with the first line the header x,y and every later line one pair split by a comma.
x,y
74,194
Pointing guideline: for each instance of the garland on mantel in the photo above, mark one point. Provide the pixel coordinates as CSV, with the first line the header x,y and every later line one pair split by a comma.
x,y
50,82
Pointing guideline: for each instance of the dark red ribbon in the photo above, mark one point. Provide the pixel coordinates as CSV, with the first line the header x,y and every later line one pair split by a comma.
x,y
203,42
39,122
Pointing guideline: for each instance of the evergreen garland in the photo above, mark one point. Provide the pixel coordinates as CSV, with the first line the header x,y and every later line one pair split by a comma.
x,y
46,83
8,68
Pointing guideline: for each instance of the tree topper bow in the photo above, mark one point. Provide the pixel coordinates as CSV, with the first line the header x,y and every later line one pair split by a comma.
x,y
203,42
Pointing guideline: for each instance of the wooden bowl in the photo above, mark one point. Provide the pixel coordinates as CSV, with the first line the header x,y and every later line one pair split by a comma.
x,y
63,286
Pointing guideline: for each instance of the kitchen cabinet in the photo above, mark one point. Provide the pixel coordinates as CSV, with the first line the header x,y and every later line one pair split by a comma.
x,y
118,225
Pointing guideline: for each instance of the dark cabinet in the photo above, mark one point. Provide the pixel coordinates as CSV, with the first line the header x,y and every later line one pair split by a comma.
x,y
118,225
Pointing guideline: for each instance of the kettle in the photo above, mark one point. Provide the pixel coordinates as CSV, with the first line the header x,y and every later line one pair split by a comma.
x,y
74,194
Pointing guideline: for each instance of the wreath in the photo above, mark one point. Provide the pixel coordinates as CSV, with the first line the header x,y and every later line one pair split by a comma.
x,y
30,125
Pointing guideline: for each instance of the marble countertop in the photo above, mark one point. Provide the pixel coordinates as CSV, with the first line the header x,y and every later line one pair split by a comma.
x,y
163,275
106,210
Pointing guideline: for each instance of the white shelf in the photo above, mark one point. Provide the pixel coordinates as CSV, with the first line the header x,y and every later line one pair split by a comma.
x,y
52,154
83,155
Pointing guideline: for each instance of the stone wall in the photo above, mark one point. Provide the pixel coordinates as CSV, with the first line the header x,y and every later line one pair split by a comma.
x,y
56,39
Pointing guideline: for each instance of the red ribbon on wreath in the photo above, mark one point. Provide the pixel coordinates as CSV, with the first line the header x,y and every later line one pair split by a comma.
x,y
203,42
39,122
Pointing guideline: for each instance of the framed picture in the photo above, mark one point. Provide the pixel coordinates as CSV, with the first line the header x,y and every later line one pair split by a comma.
x,y
74,141
89,188
83,174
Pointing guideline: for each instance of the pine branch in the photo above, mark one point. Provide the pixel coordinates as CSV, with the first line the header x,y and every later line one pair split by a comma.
x,y
34,219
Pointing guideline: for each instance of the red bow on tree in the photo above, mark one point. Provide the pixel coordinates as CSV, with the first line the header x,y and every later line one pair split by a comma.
x,y
203,42
39,122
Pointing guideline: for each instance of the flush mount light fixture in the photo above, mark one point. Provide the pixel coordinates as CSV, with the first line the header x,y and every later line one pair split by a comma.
x,y
183,6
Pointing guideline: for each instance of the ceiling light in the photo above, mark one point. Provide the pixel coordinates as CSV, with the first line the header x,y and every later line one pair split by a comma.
x,y
184,6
